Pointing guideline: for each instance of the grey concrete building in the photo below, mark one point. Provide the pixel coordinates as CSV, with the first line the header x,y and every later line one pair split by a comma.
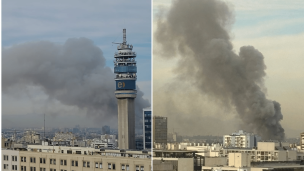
x,y
160,129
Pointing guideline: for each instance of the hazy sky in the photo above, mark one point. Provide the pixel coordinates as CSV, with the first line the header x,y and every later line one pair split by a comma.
x,y
276,29
56,21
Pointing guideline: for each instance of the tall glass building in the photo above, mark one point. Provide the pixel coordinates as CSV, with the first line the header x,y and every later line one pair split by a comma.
x,y
147,116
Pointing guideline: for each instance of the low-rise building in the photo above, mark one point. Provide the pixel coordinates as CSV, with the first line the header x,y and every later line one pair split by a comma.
x,y
302,141
241,139
61,158
10,160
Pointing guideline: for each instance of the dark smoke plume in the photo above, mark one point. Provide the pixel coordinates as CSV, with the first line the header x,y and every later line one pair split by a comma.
x,y
197,30
73,73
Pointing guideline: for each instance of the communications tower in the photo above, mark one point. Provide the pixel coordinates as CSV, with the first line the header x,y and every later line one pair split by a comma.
x,y
125,70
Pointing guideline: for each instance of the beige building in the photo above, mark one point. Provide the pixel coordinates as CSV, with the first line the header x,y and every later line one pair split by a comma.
x,y
35,161
242,162
59,158
31,137
239,160
302,141
172,164
267,151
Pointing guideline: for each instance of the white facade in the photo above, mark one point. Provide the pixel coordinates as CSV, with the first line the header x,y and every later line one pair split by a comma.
x,y
64,136
240,139
9,160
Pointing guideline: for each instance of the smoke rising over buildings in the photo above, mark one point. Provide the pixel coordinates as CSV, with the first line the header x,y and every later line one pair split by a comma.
x,y
74,74
197,33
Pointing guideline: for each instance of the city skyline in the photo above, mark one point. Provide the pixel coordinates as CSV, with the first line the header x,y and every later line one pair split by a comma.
x,y
283,80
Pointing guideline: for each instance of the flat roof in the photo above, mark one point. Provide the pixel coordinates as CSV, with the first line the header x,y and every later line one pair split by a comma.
x,y
175,151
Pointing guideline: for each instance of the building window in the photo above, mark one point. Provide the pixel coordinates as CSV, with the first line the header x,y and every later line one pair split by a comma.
x,y
14,158
78,152
42,169
113,166
33,160
127,167
14,167
5,166
109,166
96,165
63,162
122,167
137,168
42,160
5,157
76,163
141,168
100,165
72,163
86,164
32,168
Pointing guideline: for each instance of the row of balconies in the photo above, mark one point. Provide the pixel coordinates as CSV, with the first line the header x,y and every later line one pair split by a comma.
x,y
124,54
124,60
126,75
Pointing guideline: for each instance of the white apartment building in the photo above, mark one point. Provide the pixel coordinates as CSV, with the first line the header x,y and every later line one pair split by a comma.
x,y
267,151
241,139
10,160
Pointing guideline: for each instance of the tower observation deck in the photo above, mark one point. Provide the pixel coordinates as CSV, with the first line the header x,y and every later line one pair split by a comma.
x,y
125,70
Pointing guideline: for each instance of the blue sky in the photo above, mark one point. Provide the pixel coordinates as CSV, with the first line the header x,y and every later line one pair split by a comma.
x,y
100,21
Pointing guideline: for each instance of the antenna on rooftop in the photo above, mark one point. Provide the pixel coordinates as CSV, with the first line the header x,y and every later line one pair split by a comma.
x,y
44,128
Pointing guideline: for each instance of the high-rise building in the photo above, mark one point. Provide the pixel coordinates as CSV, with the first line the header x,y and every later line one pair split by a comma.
x,y
147,128
160,129
125,70
302,141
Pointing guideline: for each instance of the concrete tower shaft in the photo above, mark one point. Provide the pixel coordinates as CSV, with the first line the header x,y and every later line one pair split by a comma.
x,y
125,69
124,36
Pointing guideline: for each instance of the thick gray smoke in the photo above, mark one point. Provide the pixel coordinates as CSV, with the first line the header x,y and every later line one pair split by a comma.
x,y
196,32
73,73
